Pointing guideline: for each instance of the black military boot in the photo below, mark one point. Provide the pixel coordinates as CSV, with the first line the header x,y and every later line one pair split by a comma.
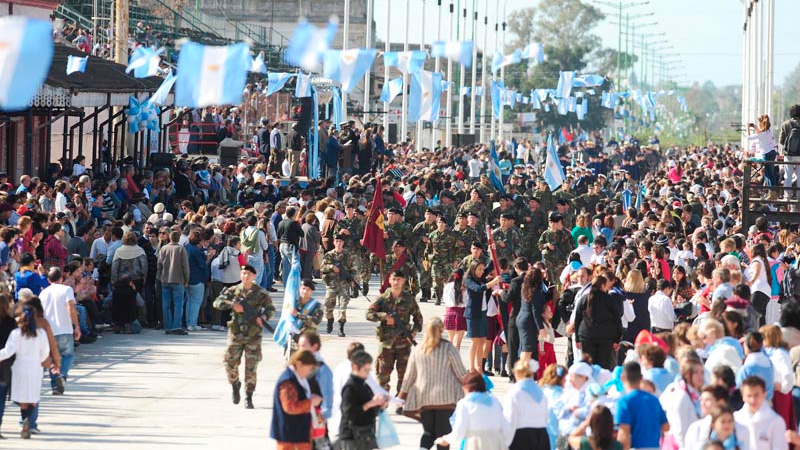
x,y
365,287
237,396
438,299
426,295
330,326
248,401
341,329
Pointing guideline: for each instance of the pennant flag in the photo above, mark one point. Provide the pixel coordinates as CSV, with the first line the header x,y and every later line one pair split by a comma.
x,y
308,44
276,81
518,98
526,100
563,106
572,103
373,231
499,61
26,51
536,102
465,90
495,175
553,172
534,51
627,198
588,81
609,100
348,66
406,62
498,91
391,90
425,99
160,96
76,64
583,109
303,86
564,84
479,90
258,65
509,97
460,52
288,325
144,62
211,75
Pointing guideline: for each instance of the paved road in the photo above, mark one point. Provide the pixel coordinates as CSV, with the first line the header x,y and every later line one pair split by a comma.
x,y
153,391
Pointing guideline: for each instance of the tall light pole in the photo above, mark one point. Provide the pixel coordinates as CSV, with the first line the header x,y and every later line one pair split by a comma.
x,y
448,127
487,90
483,70
474,67
435,124
385,67
367,75
418,137
461,79
404,113
502,76
345,37
770,56
620,7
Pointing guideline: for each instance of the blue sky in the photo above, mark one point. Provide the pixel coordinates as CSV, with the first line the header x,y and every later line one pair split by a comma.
x,y
707,34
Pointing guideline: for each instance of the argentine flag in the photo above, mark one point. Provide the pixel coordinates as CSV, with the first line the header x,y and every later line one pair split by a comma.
x,y
498,94
495,175
609,100
211,75
627,199
348,66
406,62
588,81
583,109
26,51
144,62
160,96
640,198
425,99
564,84
303,87
308,44
275,81
76,64
258,65
499,61
553,172
534,51
391,90
536,102
460,52
288,325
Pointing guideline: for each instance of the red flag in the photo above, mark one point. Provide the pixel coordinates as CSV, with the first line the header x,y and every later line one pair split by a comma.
x,y
373,231
399,199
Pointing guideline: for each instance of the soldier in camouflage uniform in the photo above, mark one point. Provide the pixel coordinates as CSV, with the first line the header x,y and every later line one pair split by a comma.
x,y
420,239
507,238
408,267
475,204
395,229
562,207
351,228
506,207
556,244
447,206
542,192
476,253
534,224
394,310
308,311
334,265
416,210
478,233
440,255
244,332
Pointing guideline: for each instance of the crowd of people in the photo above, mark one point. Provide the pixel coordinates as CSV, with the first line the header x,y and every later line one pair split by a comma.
x,y
640,259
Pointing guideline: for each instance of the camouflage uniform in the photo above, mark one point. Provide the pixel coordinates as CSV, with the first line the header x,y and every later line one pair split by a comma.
x,y
476,207
394,343
362,267
310,319
556,259
449,212
422,230
415,213
467,236
546,201
467,261
399,231
338,290
409,268
441,254
512,239
244,338
497,212
531,232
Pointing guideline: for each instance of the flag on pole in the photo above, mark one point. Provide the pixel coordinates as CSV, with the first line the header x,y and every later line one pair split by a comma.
x,y
553,172
348,66
640,198
288,324
211,75
391,90
258,65
534,51
276,81
373,232
498,91
495,175
308,44
76,64
406,62
144,62
26,51
499,61
627,199
425,99
564,84
160,96
303,87
460,52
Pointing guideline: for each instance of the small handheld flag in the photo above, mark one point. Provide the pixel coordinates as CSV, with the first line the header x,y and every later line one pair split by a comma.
x,y
76,64
553,172
495,174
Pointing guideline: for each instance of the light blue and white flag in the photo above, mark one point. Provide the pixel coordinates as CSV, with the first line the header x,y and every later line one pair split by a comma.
x,y
465,90
446,85
564,84
627,199
682,101
498,91
495,174
458,51
211,75
499,61
572,104
588,81
276,81
536,102
337,107
258,65
425,96
553,172
609,100
534,51
518,98
526,100
479,90
542,94
406,62
26,51
308,44
582,109
563,105
160,95
287,324
348,67
509,98
640,198
76,64
144,62
391,90
303,87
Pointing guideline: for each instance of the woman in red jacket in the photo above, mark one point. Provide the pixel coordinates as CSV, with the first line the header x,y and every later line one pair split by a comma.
x,y
55,254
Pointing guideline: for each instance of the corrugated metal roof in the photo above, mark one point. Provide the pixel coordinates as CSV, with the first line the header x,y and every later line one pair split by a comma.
x,y
101,75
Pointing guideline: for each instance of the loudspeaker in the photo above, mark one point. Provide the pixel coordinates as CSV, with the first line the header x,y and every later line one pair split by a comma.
x,y
463,140
392,134
306,115
160,161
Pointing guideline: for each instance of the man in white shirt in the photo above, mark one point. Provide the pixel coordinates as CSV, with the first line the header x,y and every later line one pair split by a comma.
x,y
767,429
58,301
662,313
474,166
100,245
584,250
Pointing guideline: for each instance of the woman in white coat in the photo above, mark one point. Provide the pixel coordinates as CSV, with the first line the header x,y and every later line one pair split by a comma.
x,y
526,410
681,401
32,350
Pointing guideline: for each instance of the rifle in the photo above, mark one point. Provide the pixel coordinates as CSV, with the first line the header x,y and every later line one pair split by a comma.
x,y
251,314
346,276
400,328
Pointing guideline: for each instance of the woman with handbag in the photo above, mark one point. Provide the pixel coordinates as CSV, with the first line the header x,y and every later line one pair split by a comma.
x,y
360,407
294,404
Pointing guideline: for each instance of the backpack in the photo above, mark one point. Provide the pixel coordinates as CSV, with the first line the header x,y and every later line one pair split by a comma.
x,y
790,288
792,144
250,243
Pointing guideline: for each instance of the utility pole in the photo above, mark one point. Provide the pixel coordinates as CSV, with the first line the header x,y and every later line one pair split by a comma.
x,y
404,114
386,68
448,127
461,79
502,78
345,37
121,26
483,71
474,67
435,123
418,137
367,88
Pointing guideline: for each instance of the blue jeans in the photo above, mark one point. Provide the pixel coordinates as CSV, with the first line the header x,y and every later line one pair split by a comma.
x,y
269,272
3,395
172,293
287,255
66,347
194,300
257,261
34,417
82,318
